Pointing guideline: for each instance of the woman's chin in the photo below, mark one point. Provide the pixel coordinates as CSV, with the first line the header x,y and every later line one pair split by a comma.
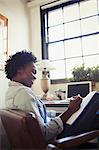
x,y
30,84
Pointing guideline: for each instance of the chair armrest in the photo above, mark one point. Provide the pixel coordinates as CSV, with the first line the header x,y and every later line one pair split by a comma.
x,y
73,141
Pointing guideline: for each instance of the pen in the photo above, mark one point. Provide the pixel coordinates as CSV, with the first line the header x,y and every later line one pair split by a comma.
x,y
79,96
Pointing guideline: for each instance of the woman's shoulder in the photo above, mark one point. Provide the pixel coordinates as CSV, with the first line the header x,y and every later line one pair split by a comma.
x,y
25,93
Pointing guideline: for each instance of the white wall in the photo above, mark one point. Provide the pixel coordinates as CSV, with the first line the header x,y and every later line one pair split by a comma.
x,y
35,38
18,33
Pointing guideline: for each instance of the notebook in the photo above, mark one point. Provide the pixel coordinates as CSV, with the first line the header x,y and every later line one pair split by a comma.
x,y
84,103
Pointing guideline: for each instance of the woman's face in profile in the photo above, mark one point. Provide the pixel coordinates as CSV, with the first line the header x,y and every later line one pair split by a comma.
x,y
27,74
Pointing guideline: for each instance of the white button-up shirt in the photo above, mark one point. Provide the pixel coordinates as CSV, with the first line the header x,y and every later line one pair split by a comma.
x,y
22,97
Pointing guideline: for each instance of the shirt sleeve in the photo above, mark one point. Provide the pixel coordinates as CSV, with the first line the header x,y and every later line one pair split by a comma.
x,y
52,128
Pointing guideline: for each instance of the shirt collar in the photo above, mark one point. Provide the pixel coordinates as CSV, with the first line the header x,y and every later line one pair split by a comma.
x,y
14,83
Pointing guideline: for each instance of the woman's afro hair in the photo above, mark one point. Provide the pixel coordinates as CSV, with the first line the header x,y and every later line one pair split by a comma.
x,y
17,61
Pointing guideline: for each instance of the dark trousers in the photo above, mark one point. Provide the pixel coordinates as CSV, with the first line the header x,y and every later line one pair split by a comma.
x,y
87,120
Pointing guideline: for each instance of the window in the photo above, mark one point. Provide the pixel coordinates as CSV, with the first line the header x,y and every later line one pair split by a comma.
x,y
70,36
3,40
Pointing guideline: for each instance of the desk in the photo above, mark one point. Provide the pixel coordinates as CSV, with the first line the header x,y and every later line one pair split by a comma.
x,y
58,105
59,108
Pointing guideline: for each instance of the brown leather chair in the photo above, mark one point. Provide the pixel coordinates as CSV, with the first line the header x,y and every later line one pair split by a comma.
x,y
24,132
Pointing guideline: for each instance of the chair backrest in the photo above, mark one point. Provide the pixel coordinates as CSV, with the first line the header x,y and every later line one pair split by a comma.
x,y
22,129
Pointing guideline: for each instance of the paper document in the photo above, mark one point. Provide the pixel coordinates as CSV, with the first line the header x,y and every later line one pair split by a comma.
x,y
84,103
61,101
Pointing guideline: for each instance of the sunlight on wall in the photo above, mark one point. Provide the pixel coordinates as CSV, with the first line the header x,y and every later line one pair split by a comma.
x,y
18,34
3,88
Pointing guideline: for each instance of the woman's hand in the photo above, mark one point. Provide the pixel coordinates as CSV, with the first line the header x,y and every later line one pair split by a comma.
x,y
72,108
75,103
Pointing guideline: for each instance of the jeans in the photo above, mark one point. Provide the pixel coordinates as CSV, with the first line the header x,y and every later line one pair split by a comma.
x,y
87,120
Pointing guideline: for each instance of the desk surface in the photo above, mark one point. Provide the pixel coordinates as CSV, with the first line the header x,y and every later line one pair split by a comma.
x,y
56,103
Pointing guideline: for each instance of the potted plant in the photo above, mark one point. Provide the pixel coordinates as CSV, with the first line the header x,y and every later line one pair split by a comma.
x,y
86,74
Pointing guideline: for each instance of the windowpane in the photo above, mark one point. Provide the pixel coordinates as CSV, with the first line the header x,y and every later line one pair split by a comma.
x,y
2,24
90,25
88,8
71,63
71,12
73,48
3,40
55,17
59,73
90,44
56,33
91,61
72,29
1,52
56,51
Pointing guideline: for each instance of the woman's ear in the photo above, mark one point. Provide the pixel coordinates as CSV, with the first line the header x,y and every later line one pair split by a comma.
x,y
20,71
